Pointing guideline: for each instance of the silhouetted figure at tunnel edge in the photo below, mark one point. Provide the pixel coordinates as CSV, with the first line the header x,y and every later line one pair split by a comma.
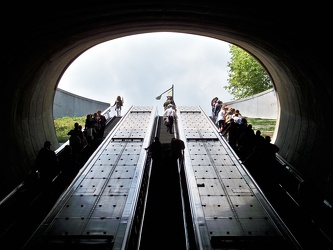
x,y
47,164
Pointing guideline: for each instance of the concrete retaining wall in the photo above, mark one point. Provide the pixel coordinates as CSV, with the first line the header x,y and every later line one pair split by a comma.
x,y
69,104
263,105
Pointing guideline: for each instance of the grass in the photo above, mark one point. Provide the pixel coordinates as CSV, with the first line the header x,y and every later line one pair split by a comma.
x,y
64,124
266,126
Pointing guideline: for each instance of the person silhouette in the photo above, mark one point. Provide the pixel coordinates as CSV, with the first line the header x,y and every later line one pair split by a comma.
x,y
177,147
155,149
76,140
47,164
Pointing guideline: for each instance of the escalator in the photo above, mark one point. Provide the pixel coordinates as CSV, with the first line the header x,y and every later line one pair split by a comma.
x,y
164,212
25,208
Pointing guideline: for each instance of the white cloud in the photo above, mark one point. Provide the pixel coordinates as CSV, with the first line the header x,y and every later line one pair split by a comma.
x,y
141,67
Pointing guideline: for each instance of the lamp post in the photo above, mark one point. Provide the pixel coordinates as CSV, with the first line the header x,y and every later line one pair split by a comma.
x,y
159,97
173,97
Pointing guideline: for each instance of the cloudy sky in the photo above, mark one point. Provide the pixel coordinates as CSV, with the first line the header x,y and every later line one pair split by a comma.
x,y
141,67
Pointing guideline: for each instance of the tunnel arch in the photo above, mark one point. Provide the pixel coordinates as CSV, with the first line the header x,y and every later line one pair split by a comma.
x,y
51,39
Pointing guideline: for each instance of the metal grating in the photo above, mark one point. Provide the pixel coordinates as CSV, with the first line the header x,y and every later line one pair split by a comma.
x,y
100,204
227,208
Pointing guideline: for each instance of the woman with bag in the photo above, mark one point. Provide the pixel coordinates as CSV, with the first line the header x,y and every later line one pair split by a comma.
x,y
168,117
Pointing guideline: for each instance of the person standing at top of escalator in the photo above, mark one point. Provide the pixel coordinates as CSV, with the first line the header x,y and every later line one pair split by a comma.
x,y
119,102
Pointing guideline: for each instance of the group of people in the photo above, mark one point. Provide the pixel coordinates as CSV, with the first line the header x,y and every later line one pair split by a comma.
x,y
222,114
95,123
249,145
94,126
49,167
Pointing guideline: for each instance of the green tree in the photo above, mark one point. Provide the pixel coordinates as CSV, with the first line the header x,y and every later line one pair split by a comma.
x,y
247,76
